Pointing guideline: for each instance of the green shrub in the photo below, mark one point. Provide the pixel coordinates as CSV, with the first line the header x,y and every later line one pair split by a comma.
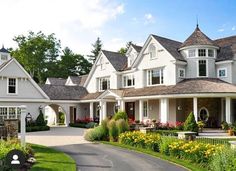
x,y
167,132
113,131
120,115
37,128
164,144
122,126
91,125
40,121
61,117
78,125
104,125
190,124
223,160
96,133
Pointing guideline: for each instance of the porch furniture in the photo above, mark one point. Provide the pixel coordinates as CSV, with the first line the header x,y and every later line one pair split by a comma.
x,y
188,135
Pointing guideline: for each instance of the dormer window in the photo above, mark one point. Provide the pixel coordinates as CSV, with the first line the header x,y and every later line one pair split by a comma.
x,y
152,51
210,52
201,52
191,53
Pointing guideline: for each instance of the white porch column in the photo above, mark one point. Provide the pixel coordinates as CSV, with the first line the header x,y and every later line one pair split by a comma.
x,y
100,111
195,108
164,110
140,110
228,109
22,125
91,110
104,110
121,103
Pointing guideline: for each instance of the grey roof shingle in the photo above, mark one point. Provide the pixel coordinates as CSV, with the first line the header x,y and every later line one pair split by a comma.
x,y
57,81
197,38
227,48
79,80
171,46
62,92
117,60
137,48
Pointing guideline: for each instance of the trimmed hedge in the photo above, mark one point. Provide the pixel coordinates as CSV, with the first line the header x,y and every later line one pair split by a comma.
x,y
78,125
167,132
37,128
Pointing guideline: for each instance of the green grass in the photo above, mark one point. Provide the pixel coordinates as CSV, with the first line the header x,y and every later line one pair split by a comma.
x,y
184,163
51,160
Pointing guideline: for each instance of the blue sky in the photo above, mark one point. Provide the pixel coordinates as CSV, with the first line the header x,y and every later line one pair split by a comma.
x,y
77,23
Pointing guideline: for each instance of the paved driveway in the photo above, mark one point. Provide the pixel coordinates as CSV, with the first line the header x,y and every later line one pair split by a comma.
x,y
57,136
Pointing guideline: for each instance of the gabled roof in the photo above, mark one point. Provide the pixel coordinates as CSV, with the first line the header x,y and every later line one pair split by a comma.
x,y
137,48
117,60
227,48
5,63
3,50
79,80
197,38
62,92
171,46
56,81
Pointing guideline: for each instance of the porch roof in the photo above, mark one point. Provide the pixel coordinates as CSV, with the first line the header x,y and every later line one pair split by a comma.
x,y
187,86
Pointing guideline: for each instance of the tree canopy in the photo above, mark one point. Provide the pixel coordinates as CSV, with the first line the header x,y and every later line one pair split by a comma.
x,y
97,47
123,50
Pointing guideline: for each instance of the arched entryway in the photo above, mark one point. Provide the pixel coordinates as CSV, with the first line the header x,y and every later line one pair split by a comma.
x,y
55,115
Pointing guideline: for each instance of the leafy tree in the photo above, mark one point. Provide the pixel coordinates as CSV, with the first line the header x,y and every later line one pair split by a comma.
x,y
190,124
97,47
38,53
123,50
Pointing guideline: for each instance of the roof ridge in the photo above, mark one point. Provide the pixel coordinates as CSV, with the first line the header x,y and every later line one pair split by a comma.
x,y
228,37
166,38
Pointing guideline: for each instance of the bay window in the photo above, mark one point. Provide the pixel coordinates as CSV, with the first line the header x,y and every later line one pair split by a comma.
x,y
191,53
201,52
210,53
155,76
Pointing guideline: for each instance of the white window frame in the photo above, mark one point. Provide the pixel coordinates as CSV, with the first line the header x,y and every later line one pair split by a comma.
x,y
125,82
212,51
145,112
206,51
152,49
181,69
206,67
149,80
100,83
193,50
218,72
16,86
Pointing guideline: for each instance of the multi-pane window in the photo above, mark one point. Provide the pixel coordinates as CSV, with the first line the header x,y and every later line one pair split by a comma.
x,y
201,52
222,72
191,53
155,76
128,80
104,83
3,114
12,85
145,109
12,113
210,52
9,113
202,68
152,51
4,57
181,73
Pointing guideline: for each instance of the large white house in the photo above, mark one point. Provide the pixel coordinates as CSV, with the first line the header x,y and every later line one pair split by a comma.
x,y
163,80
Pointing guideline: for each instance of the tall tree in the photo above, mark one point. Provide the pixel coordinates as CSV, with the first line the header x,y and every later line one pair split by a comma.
x,y
123,50
97,47
38,53
73,64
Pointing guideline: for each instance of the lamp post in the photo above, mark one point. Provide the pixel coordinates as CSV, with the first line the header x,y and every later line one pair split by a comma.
x,y
22,125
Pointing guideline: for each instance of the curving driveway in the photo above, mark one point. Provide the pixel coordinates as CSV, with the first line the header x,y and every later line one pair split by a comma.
x,y
98,157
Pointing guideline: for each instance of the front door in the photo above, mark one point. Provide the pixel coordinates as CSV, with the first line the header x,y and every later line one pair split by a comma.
x,y
130,110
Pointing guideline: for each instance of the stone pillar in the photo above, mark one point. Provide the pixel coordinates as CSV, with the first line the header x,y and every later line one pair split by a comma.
x,y
91,110
141,110
195,108
228,109
22,125
164,110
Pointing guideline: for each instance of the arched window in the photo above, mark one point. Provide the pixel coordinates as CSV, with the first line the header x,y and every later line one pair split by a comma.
x,y
203,114
152,51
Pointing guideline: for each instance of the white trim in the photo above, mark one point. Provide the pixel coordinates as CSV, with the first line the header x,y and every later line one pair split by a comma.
x,y
218,72
179,62
147,110
161,72
179,69
132,76
16,86
198,46
205,110
206,67
224,62
24,100
125,72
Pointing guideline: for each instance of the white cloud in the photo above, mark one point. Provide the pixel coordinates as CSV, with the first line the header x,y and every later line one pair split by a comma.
x,y
149,18
233,28
114,44
221,30
66,18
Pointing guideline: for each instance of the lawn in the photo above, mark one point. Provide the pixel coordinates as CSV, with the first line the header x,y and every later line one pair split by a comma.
x,y
184,163
52,160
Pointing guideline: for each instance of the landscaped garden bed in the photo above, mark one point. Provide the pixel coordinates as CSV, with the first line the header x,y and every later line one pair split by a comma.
x,y
84,123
